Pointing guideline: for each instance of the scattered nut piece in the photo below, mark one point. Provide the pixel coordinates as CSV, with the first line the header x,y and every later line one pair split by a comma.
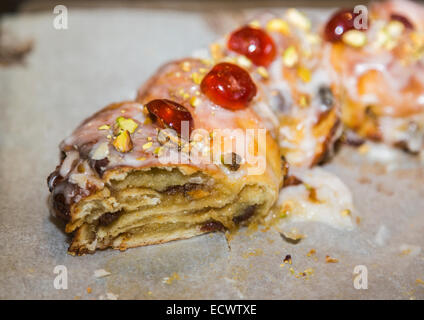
x,y
328,259
292,235
311,252
157,150
111,296
147,145
169,280
216,51
355,38
290,57
104,127
244,62
298,19
304,74
123,142
262,72
313,38
304,101
278,25
195,101
288,259
185,66
100,273
364,148
346,213
395,28
196,77
126,124
255,24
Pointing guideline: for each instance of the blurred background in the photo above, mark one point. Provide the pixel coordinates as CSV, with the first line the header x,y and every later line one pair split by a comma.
x,y
39,5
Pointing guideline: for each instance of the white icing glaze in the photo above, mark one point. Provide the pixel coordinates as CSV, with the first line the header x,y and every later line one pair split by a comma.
x,y
333,195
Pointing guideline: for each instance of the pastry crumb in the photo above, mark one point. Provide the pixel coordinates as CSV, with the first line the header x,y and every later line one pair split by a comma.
x,y
311,252
100,273
419,281
328,259
169,280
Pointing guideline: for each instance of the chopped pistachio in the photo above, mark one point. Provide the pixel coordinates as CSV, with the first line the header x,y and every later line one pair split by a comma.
x,y
126,124
304,74
355,38
346,213
185,66
123,142
395,28
147,145
278,25
194,101
329,259
255,24
104,127
262,72
207,62
304,101
382,38
180,92
388,36
290,57
196,77
244,62
185,148
216,51
298,19
313,38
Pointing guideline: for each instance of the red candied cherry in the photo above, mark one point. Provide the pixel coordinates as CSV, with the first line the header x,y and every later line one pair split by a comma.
x,y
253,43
339,23
405,21
169,114
228,86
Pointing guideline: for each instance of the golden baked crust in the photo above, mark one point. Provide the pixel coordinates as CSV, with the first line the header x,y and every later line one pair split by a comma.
x,y
114,190
121,200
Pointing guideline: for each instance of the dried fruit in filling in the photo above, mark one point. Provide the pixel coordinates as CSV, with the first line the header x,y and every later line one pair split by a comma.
x,y
169,114
253,43
229,86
